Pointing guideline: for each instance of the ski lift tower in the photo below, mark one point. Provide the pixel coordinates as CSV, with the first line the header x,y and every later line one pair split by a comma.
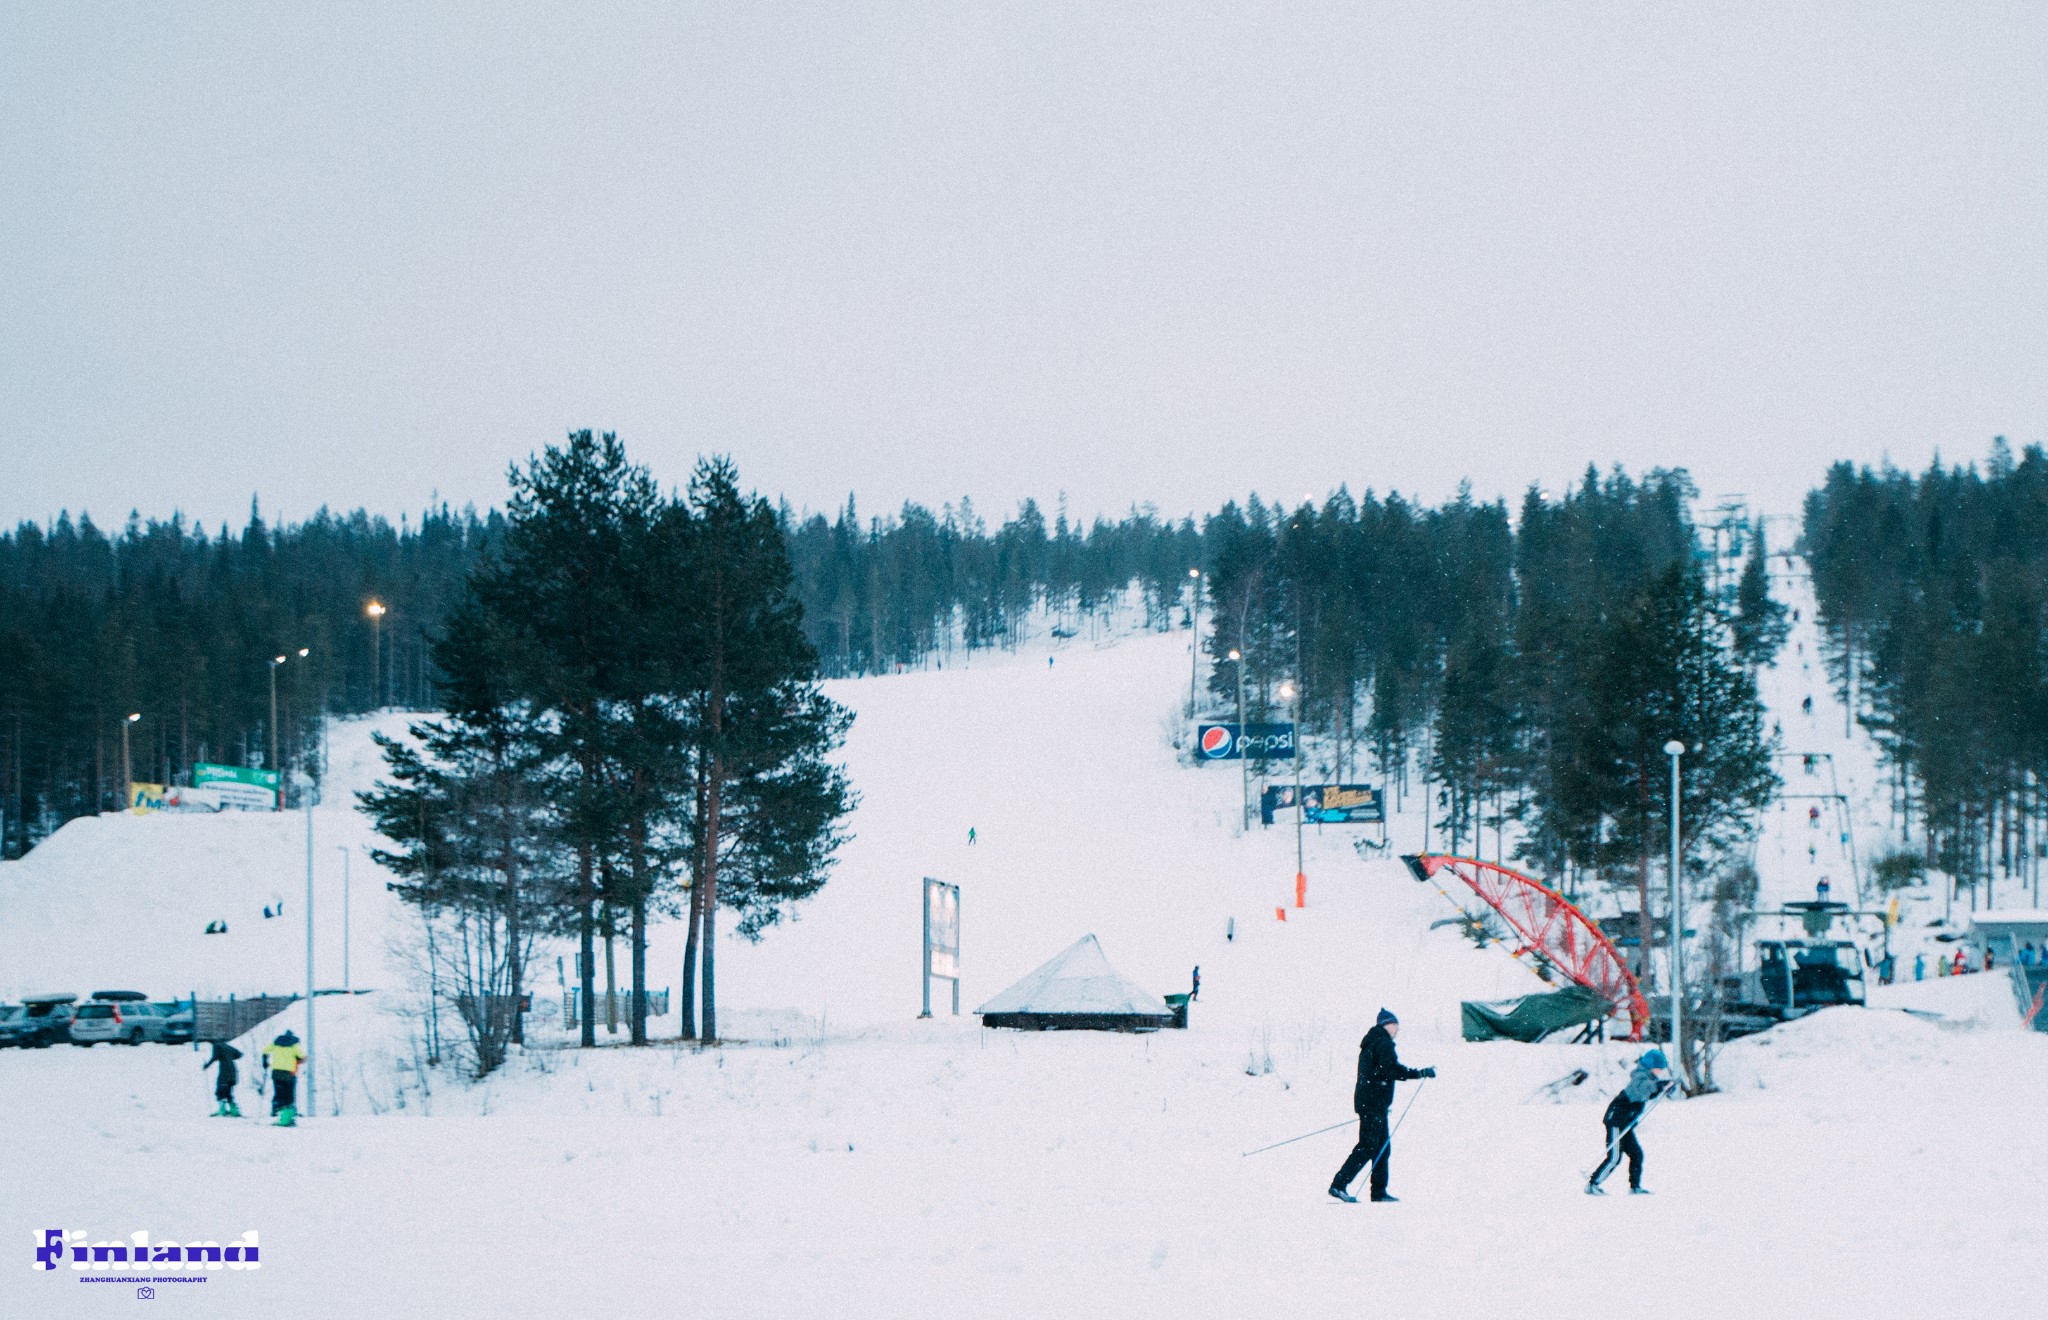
x,y
1727,531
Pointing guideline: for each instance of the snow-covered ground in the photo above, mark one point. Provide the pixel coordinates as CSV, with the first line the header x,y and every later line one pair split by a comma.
x,y
842,1155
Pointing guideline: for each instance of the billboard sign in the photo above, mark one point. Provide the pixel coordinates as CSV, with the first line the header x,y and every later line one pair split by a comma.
x,y
941,940
1343,804
237,786
1326,804
1235,742
145,798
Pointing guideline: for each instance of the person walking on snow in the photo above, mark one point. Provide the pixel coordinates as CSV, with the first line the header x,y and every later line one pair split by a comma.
x,y
283,1057
1371,1098
224,1081
1624,1111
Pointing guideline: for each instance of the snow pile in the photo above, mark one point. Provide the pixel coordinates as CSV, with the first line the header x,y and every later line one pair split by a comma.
x,y
123,901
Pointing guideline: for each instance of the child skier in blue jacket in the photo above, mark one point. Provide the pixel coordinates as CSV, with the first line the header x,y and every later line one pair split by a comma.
x,y
1649,1080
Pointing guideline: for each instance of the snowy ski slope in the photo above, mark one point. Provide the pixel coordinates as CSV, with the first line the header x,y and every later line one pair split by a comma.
x,y
842,1154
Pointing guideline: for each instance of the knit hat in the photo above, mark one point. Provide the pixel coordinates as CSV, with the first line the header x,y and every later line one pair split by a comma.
x,y
1386,1017
1655,1060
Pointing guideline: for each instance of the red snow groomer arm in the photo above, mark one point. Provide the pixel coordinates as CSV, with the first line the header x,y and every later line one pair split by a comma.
x,y
1550,926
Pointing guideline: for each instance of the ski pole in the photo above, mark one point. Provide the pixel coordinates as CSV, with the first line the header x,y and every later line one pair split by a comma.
x,y
1303,1137
1388,1143
1614,1143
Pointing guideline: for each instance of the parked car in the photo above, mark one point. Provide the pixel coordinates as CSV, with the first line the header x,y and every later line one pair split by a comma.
x,y
127,1017
180,1021
44,1020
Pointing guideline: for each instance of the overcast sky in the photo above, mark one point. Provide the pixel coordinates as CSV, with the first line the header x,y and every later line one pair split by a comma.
x,y
358,255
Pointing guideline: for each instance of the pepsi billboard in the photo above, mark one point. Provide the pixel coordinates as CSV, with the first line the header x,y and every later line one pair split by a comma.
x,y
1235,742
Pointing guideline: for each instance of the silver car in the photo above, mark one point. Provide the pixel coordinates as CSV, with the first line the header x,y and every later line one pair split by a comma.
x,y
128,1022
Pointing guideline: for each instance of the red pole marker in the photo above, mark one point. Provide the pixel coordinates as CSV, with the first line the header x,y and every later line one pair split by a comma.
x,y
1280,914
1300,890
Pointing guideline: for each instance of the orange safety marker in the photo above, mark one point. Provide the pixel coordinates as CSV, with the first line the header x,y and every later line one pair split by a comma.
x,y
1280,913
1300,890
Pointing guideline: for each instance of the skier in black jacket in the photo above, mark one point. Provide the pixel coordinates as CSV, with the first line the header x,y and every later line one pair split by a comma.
x,y
1378,1070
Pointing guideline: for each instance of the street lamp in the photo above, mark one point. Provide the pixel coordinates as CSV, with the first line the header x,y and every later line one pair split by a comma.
x,y
1236,657
274,663
1290,693
376,612
1676,749
1194,646
127,772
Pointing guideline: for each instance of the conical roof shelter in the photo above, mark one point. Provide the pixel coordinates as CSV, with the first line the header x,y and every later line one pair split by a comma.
x,y
1077,991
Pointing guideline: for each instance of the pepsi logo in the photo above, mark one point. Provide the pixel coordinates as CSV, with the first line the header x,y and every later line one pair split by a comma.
x,y
1215,740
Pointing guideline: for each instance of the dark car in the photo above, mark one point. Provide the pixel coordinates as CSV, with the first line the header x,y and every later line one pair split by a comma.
x,y
44,1021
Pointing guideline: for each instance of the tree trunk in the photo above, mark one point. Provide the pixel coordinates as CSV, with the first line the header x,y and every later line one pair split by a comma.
x,y
586,936
1645,928
508,864
708,914
638,1021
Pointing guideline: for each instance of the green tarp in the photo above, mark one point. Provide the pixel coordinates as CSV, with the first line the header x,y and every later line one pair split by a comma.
x,y
1533,1017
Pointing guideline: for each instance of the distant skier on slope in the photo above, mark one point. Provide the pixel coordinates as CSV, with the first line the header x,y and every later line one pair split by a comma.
x,y
1649,1080
1371,1098
283,1057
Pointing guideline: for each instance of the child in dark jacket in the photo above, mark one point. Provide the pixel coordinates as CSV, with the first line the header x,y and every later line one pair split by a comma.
x,y
1645,1084
224,1081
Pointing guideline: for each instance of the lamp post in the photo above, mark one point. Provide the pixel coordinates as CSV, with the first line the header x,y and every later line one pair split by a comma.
x,y
345,850
1292,694
1243,742
1676,749
375,610
1194,646
304,783
127,773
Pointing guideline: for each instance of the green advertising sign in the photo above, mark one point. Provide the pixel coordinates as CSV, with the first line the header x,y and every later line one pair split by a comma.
x,y
234,774
238,786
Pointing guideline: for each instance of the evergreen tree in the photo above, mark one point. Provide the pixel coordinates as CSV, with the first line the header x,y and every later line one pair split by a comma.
x,y
759,727
470,808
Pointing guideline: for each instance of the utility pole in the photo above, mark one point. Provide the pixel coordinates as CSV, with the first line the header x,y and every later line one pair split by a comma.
x,y
1195,645
1676,749
1292,691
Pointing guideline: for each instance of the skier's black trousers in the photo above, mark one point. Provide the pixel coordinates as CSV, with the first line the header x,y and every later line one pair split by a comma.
x,y
284,1088
1626,1145
1372,1140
